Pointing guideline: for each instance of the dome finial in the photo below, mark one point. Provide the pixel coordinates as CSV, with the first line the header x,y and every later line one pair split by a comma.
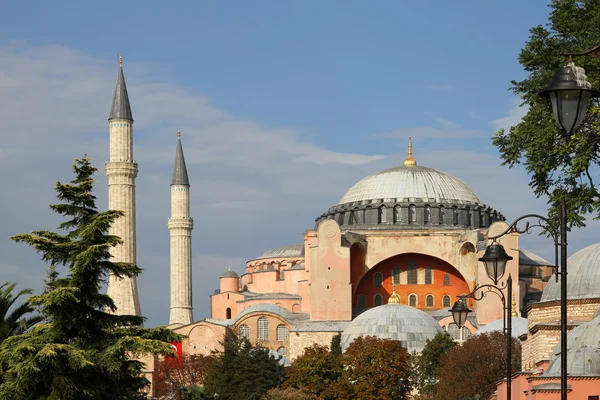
x,y
178,134
120,59
514,313
410,161
394,298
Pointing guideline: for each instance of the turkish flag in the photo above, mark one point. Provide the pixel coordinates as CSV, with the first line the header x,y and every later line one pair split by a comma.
x,y
178,349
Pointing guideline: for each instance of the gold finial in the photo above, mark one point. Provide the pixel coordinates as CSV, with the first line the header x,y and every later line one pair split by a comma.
x,y
514,313
394,298
410,161
179,137
120,59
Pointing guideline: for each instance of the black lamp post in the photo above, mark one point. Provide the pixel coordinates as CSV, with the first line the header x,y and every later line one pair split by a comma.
x,y
570,93
495,259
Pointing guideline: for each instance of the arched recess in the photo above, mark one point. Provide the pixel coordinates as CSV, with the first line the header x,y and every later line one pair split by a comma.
x,y
439,268
468,258
357,263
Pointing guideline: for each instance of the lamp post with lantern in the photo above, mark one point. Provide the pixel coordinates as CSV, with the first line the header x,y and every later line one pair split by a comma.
x,y
494,259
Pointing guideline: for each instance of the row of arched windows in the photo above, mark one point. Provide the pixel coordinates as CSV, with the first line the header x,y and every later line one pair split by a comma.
x,y
413,300
412,214
458,334
412,276
263,331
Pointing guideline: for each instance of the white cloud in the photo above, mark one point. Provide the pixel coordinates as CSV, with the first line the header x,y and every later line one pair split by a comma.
x,y
253,187
512,117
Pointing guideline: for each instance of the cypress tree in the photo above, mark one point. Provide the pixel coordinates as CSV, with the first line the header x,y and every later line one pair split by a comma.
x,y
82,350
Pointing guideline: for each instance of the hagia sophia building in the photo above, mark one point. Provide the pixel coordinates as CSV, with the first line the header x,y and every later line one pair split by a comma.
x,y
388,260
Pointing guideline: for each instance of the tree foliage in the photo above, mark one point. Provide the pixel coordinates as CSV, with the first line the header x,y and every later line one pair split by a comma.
x,y
15,322
336,345
243,372
288,394
427,364
81,351
187,371
561,166
375,369
474,367
316,371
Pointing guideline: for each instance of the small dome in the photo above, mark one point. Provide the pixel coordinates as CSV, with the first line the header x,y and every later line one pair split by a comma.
x,y
393,321
518,328
293,251
581,361
229,274
584,276
585,335
411,181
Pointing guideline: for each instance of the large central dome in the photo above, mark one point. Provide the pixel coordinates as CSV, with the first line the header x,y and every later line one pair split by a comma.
x,y
413,182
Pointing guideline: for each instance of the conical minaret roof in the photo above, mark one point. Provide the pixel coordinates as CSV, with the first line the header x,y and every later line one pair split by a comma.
x,y
121,109
180,176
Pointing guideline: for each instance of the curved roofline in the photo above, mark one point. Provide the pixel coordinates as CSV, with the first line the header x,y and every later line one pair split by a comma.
x,y
290,251
474,198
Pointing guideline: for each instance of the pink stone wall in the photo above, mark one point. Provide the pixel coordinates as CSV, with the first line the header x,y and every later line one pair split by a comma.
x,y
229,285
331,290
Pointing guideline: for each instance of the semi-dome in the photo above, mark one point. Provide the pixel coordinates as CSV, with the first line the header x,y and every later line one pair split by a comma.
x,y
518,328
584,276
293,251
411,326
420,184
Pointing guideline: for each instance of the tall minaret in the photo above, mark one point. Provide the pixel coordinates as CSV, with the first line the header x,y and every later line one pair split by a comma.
x,y
180,229
121,171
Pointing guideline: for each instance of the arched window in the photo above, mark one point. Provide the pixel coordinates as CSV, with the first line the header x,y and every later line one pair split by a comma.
x,y
427,215
454,332
442,215
428,276
228,312
429,301
378,300
263,329
396,275
466,333
282,333
455,215
446,301
398,214
244,331
377,279
362,300
412,273
282,351
382,214
412,214
412,300
446,279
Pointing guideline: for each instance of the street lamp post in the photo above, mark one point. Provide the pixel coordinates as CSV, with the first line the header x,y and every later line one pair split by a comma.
x,y
495,259
570,93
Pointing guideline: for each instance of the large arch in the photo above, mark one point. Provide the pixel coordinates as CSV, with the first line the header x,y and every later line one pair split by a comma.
x,y
442,273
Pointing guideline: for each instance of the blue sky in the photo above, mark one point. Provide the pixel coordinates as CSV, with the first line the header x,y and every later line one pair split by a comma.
x,y
282,107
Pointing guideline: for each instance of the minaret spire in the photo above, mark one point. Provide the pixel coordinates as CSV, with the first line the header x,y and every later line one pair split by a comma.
x,y
180,232
121,109
180,176
410,161
121,171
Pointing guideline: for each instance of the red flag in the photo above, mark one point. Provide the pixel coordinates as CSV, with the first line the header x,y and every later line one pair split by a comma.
x,y
178,349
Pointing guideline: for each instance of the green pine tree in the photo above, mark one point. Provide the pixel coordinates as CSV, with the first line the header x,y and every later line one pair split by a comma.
x,y
336,345
81,351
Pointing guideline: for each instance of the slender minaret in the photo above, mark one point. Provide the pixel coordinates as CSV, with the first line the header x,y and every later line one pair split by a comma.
x,y
180,229
121,171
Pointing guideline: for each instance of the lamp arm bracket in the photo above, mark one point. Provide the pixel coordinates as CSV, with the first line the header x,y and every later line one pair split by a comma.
x,y
479,293
542,222
594,52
